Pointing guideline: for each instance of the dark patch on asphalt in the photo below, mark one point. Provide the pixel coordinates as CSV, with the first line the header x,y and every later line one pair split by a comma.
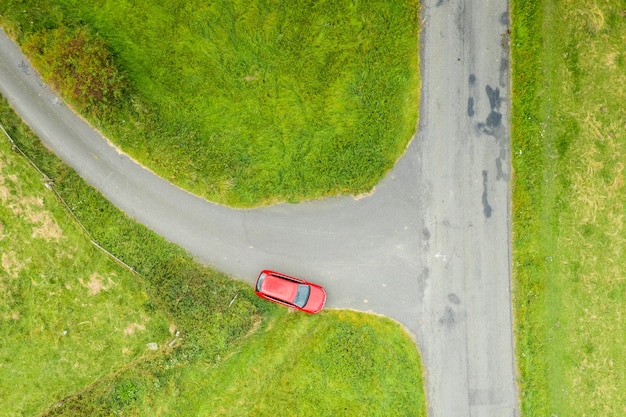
x,y
422,282
492,126
449,318
493,123
494,97
504,18
500,174
470,101
504,65
454,299
494,119
24,67
440,2
486,207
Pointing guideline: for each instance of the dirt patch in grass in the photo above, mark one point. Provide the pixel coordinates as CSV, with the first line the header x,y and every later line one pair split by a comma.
x,y
46,228
96,284
29,208
133,327
4,191
11,264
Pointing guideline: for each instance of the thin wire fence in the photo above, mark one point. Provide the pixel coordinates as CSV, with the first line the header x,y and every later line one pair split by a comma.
x,y
49,184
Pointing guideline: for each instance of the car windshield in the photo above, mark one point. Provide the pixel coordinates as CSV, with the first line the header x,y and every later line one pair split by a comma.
x,y
302,296
259,282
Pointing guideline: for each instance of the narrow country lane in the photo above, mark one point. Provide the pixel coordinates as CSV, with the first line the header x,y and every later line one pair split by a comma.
x,y
463,172
429,248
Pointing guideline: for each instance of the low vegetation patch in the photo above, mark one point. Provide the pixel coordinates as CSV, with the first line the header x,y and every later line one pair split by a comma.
x,y
243,102
81,66
569,142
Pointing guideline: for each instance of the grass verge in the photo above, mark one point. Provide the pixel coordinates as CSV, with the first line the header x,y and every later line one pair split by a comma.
x,y
335,363
242,102
569,142
225,338
68,313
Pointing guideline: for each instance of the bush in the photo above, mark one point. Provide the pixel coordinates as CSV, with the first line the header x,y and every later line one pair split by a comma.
x,y
80,66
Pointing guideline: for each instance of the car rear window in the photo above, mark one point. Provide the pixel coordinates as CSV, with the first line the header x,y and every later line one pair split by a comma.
x,y
302,296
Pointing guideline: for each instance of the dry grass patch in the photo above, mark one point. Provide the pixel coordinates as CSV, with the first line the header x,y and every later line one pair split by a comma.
x,y
134,327
97,283
5,193
11,265
29,208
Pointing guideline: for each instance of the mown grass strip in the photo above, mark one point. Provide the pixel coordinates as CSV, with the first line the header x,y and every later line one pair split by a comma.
x,y
569,71
242,102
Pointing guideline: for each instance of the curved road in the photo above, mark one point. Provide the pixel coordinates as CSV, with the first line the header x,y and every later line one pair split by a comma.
x,y
429,248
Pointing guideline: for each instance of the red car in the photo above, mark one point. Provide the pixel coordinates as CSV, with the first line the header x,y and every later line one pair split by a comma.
x,y
292,292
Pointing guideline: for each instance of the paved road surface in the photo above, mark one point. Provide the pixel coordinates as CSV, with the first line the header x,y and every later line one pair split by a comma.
x,y
430,248
463,173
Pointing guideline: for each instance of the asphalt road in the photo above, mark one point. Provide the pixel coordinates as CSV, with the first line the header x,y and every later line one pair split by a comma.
x,y
463,173
429,248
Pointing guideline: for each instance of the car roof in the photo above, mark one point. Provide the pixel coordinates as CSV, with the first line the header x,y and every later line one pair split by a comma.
x,y
279,287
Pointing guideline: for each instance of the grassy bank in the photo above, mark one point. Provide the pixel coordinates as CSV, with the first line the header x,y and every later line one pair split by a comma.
x,y
244,103
569,142
68,313
217,325
336,363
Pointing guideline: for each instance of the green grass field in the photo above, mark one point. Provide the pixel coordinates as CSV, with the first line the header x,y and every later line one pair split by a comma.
x,y
569,147
83,350
243,102
69,314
